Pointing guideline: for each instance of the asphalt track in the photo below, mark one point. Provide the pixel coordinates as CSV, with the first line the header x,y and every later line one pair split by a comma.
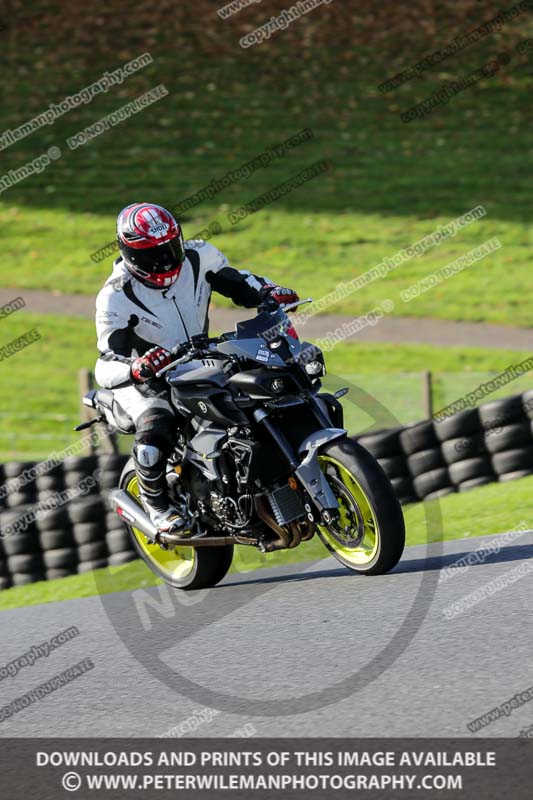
x,y
437,332
283,635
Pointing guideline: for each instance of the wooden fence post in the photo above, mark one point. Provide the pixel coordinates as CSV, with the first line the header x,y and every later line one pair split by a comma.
x,y
427,393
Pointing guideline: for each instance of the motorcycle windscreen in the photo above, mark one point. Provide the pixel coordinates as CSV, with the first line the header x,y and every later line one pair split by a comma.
x,y
254,349
264,324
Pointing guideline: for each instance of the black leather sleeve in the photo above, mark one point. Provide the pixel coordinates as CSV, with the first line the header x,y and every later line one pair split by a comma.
x,y
123,341
241,287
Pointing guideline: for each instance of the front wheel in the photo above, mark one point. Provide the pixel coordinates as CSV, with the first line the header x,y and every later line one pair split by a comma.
x,y
180,567
369,534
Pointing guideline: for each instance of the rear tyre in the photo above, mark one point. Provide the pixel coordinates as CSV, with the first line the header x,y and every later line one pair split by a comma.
x,y
369,537
181,567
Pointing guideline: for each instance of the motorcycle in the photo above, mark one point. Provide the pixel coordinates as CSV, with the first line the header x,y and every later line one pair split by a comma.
x,y
261,459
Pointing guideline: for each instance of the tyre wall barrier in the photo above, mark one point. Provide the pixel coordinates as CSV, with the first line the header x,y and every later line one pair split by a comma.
x,y
428,459
45,536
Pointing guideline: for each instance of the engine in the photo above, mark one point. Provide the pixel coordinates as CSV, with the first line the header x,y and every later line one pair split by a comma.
x,y
227,510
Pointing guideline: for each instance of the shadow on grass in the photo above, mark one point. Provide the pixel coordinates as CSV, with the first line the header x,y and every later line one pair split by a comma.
x,y
440,165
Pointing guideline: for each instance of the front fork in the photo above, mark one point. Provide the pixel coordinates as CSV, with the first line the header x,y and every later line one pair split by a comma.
x,y
305,465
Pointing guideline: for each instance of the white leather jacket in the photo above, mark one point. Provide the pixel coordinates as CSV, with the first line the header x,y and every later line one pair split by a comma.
x,y
132,317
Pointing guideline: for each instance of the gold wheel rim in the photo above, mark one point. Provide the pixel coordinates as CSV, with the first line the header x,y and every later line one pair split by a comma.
x,y
176,563
364,552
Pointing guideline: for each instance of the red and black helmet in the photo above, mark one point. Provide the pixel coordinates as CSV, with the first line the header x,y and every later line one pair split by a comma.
x,y
151,243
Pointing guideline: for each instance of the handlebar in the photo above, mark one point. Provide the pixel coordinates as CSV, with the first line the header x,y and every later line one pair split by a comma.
x,y
198,346
292,306
195,347
272,305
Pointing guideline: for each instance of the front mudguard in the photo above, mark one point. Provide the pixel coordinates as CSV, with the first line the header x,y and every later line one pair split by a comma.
x,y
309,473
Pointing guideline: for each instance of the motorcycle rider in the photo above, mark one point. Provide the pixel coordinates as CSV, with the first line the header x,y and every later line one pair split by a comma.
x,y
156,297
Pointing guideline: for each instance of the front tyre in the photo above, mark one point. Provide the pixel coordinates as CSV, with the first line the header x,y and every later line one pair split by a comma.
x,y
369,535
180,567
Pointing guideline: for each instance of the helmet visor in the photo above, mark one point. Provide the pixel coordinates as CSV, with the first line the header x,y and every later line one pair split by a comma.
x,y
158,259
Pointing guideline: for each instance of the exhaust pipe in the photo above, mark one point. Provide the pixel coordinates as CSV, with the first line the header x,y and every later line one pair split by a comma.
x,y
132,513
128,508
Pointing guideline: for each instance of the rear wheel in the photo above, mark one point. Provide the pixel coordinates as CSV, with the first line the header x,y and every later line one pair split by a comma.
x,y
369,534
180,567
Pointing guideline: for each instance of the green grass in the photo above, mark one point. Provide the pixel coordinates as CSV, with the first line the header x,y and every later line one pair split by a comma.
x,y
45,375
39,392
488,510
282,245
389,183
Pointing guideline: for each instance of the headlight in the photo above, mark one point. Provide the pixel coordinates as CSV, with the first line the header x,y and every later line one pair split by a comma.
x,y
277,386
314,368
